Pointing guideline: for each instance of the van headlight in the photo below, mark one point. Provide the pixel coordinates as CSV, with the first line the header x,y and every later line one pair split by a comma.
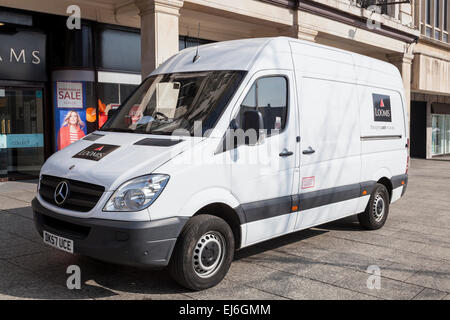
x,y
137,194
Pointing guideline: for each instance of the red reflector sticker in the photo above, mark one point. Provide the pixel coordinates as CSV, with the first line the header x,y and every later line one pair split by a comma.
x,y
308,182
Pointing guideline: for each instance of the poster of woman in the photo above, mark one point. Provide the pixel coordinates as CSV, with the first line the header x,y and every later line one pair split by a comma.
x,y
72,128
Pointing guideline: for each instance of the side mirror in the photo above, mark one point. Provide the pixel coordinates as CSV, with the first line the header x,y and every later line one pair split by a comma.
x,y
236,136
253,121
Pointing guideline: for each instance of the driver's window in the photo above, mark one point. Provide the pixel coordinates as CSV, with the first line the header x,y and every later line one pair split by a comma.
x,y
269,96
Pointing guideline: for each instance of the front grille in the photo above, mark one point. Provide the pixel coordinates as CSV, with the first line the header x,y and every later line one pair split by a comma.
x,y
82,196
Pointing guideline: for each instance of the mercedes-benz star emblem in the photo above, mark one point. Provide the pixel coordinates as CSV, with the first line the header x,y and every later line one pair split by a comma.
x,y
61,192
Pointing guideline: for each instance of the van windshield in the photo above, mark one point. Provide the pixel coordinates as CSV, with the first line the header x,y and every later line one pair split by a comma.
x,y
178,102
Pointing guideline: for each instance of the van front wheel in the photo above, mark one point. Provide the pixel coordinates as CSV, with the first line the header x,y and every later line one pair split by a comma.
x,y
375,215
203,253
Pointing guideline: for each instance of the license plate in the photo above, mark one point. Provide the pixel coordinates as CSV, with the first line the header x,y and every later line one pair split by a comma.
x,y
58,242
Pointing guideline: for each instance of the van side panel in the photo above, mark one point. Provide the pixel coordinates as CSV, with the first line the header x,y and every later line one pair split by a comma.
x,y
329,124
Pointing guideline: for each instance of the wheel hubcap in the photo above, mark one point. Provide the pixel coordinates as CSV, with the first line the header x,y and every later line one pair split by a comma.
x,y
378,208
208,254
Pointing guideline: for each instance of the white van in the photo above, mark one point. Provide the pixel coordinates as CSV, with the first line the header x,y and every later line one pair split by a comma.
x,y
168,181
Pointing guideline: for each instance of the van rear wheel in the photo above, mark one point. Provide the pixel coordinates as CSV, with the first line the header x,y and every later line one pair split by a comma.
x,y
203,253
377,210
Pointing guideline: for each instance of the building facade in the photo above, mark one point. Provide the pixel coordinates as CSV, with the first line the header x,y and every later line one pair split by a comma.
x,y
122,40
430,106
48,74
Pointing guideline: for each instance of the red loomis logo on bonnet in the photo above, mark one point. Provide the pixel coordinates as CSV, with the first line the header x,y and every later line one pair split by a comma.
x,y
96,152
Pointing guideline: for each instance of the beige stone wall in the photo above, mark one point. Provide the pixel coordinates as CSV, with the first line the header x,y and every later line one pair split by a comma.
x,y
431,69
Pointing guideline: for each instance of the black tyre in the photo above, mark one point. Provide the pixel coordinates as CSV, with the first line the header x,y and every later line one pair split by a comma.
x,y
377,210
203,253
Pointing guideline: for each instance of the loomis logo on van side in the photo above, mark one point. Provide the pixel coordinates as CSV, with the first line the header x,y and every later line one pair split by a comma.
x,y
96,151
382,108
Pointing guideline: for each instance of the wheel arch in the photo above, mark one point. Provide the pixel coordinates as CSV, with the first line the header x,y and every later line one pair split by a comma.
x,y
388,184
221,203
381,176
229,215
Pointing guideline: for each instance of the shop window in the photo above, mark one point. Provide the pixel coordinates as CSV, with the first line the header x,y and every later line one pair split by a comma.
x,y
436,13
21,131
119,50
110,97
446,15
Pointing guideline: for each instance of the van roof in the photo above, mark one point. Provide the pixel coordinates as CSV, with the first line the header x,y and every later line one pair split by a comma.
x,y
226,55
244,54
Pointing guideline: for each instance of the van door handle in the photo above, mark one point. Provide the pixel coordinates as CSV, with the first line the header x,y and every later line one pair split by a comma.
x,y
309,151
286,153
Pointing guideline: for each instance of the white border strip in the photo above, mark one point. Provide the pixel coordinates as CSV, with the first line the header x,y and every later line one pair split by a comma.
x,y
117,77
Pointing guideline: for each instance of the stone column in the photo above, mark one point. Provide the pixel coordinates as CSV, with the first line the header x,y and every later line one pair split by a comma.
x,y
403,62
300,30
159,32
306,33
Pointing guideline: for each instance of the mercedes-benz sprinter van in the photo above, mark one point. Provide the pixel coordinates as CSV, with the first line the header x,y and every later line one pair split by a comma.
x,y
227,145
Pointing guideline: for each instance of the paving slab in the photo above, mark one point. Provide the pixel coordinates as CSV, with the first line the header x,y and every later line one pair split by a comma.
x,y
230,290
20,226
11,203
389,289
430,294
438,279
25,212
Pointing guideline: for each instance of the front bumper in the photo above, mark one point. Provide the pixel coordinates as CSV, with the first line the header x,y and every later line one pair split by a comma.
x,y
133,243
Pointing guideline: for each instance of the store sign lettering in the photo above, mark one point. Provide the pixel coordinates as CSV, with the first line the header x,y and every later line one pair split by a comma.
x,y
69,95
21,56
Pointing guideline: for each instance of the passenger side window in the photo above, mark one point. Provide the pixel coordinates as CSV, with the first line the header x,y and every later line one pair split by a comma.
x,y
269,96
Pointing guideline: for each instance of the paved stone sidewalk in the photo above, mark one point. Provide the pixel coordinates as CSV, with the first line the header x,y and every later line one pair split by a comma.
x,y
327,262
